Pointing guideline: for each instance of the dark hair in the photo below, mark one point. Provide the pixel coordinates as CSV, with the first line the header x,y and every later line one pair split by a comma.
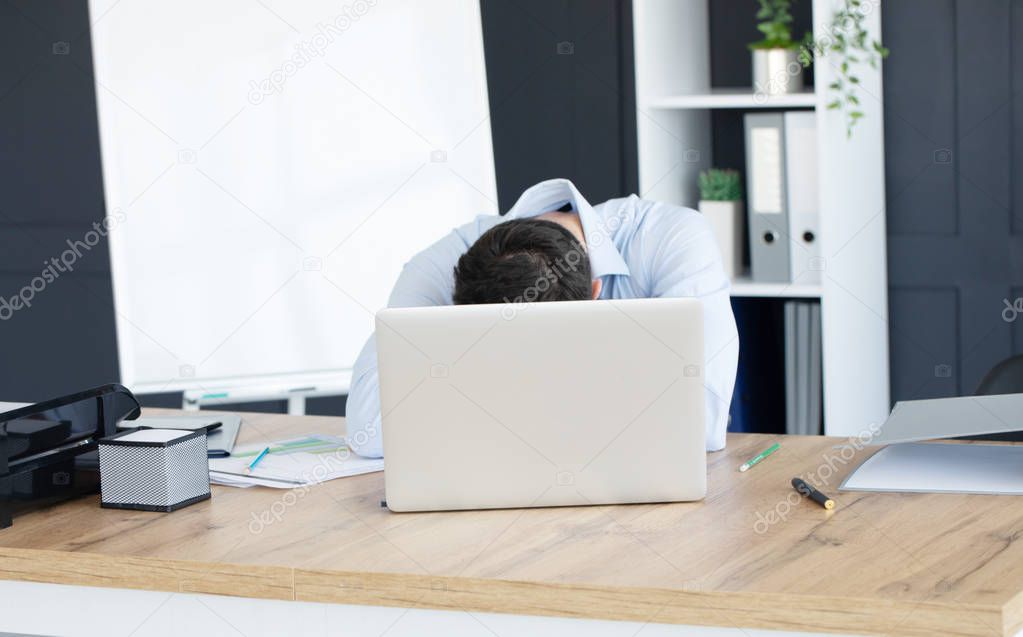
x,y
523,260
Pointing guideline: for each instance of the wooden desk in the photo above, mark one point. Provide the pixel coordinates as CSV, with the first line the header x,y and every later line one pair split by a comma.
x,y
890,564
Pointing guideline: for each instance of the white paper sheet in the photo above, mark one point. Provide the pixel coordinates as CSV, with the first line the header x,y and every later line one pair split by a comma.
x,y
941,468
291,463
6,407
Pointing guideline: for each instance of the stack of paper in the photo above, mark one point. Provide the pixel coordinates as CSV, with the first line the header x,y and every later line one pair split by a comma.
x,y
291,463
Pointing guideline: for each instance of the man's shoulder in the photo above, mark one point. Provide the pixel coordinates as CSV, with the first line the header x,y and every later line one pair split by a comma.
x,y
634,215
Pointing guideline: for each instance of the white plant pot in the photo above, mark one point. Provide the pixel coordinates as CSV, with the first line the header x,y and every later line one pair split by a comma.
x,y
777,71
728,222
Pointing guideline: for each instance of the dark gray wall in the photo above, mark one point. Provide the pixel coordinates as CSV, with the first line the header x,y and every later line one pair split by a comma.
x,y
954,155
52,193
562,95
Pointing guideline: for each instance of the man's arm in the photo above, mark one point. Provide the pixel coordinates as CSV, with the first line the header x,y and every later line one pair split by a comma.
x,y
362,411
427,279
685,262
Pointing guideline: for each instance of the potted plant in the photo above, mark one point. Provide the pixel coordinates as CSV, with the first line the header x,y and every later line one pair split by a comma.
x,y
776,64
721,204
778,61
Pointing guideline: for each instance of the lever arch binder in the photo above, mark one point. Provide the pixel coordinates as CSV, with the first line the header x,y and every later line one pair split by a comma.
x,y
805,262
770,257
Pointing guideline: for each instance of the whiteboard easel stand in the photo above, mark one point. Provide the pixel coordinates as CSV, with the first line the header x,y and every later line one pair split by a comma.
x,y
294,392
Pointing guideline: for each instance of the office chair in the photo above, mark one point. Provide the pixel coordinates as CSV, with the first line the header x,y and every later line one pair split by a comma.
x,y
1004,378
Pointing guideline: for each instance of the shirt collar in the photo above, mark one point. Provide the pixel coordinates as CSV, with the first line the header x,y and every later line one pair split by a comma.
x,y
553,194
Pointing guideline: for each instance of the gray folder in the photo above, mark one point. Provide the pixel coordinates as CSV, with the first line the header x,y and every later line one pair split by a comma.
x,y
767,198
937,418
802,196
803,382
791,362
815,409
922,467
219,442
909,465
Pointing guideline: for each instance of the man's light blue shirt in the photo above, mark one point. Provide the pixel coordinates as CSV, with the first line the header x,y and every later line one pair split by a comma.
x,y
638,248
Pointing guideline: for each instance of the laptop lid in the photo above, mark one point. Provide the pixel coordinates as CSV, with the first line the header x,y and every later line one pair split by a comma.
x,y
936,418
542,404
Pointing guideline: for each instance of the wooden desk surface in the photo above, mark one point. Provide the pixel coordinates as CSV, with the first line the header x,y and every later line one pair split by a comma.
x,y
750,555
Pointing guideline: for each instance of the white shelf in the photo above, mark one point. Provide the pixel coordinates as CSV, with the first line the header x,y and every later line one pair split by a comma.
x,y
743,287
734,98
672,47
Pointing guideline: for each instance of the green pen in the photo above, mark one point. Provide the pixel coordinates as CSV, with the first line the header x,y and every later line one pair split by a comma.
x,y
760,456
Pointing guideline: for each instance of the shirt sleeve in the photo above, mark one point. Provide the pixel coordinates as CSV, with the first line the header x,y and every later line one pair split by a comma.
x,y
427,279
683,260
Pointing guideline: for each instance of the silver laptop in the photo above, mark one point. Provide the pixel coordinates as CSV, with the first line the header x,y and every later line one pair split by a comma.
x,y
542,404
938,418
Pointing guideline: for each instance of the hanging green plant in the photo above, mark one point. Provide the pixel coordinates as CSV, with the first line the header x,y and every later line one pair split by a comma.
x,y
848,42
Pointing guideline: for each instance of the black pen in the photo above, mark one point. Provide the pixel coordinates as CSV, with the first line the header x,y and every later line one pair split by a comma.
x,y
815,495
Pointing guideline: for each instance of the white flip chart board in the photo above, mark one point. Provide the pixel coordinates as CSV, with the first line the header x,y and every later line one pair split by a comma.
x,y
269,167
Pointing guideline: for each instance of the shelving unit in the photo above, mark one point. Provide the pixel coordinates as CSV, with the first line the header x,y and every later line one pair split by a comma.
x,y
675,99
744,287
735,98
